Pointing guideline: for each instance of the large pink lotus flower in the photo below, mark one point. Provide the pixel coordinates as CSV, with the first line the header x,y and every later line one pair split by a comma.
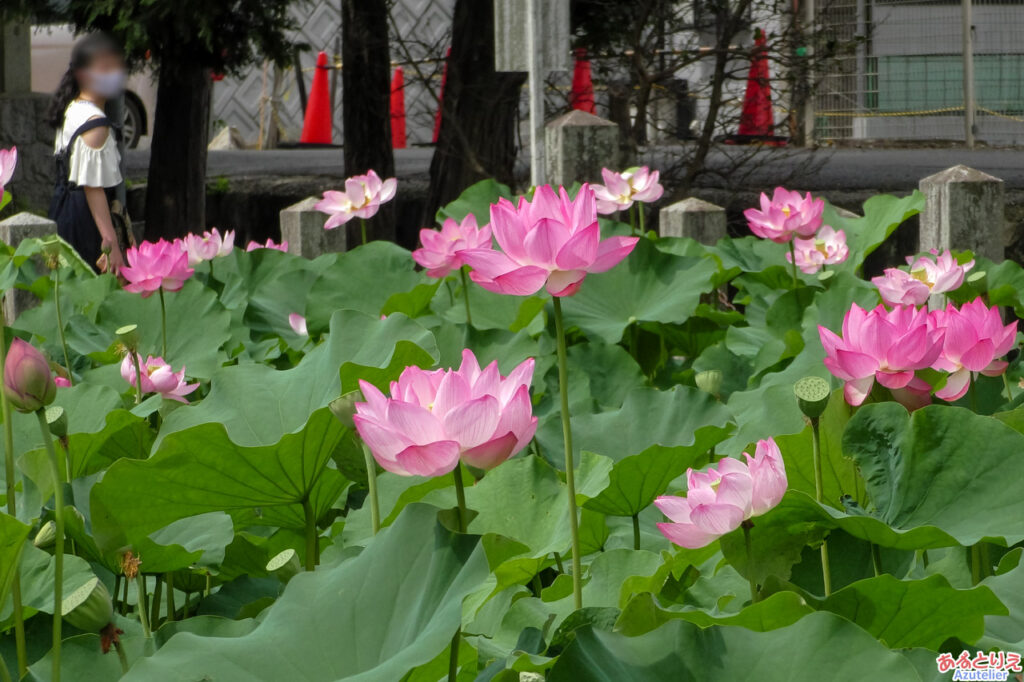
x,y
362,198
28,382
442,250
158,377
723,497
551,241
620,190
434,418
207,246
974,340
928,275
8,160
785,216
887,345
283,246
155,265
828,247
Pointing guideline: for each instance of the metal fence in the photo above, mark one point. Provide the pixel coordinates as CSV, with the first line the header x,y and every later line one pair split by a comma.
x,y
895,69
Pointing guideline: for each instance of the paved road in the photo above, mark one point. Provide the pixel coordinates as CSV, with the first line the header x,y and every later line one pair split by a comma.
x,y
846,169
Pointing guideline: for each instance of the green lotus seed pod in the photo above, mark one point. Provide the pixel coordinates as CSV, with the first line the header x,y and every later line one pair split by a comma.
x,y
344,408
46,535
709,381
129,336
812,394
285,565
57,419
89,608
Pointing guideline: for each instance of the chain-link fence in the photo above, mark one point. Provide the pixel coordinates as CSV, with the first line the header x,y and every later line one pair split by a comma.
x,y
894,69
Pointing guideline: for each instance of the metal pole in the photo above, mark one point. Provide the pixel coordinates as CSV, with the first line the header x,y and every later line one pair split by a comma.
x,y
809,38
969,103
536,79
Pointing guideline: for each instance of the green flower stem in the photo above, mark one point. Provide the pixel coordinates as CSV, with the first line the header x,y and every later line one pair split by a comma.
x,y
972,393
124,597
558,562
311,534
60,324
453,657
632,219
362,228
115,595
640,213
876,559
747,525
58,547
460,496
138,376
465,293
826,573
570,474
122,657
1006,385
636,531
158,592
169,579
792,254
371,483
140,586
12,509
4,675
163,326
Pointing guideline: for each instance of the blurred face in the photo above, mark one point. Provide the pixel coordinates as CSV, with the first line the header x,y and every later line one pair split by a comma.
x,y
105,76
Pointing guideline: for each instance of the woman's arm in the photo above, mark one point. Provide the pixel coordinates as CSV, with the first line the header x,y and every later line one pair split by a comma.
x,y
96,198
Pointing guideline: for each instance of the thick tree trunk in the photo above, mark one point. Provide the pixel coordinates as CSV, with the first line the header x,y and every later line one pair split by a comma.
x,y
176,190
479,113
366,99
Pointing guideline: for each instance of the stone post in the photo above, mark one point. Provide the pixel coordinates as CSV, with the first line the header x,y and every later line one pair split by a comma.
x,y
15,57
693,218
302,226
964,209
578,145
13,231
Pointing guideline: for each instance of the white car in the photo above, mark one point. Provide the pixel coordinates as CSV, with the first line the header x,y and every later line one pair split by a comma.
x,y
51,52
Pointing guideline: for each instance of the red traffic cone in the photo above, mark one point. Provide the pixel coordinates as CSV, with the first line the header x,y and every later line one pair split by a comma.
x,y
756,118
398,110
440,96
317,128
582,95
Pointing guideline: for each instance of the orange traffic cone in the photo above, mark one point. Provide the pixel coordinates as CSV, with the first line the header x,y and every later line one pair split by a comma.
x,y
757,120
398,110
317,128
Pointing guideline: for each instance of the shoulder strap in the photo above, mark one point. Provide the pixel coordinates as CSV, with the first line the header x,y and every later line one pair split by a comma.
x,y
91,124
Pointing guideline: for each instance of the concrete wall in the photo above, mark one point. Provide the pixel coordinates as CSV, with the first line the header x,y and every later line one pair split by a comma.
x,y
22,124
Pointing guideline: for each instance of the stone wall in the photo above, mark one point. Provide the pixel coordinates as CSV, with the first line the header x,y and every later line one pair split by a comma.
x,y
23,124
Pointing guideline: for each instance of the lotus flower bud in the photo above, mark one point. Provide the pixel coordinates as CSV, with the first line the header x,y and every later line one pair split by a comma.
x,y
28,382
709,381
812,394
89,608
46,535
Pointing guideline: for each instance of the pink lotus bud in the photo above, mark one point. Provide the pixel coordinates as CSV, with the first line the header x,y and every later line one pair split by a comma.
x,y
8,160
28,382
298,324
552,241
442,250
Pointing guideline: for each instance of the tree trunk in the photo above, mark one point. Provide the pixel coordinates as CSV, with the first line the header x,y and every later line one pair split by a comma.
x,y
176,189
366,100
479,111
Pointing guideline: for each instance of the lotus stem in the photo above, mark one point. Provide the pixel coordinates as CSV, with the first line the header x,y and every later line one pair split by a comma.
x,y
138,376
636,531
115,595
163,327
1006,385
465,294
558,562
570,474
121,657
311,534
4,675
58,547
453,657
12,508
371,484
876,559
60,323
154,618
460,496
792,255
640,215
140,583
819,495
747,525
124,597
169,579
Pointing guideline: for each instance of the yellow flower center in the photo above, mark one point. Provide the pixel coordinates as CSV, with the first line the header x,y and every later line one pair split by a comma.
x,y
921,275
786,211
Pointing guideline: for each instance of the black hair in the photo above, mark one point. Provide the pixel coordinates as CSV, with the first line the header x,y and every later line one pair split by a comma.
x,y
86,48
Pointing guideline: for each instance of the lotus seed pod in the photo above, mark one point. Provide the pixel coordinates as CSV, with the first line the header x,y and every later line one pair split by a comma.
x,y
344,408
128,335
812,394
89,608
46,535
285,565
57,419
709,381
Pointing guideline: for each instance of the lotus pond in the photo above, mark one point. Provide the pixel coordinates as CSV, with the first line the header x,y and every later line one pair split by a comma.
x,y
265,468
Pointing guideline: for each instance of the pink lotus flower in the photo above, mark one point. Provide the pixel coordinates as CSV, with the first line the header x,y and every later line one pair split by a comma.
x,y
552,241
298,324
62,382
158,377
283,246
723,497
434,418
887,345
785,216
362,198
927,276
975,337
620,190
207,246
155,265
441,252
28,382
828,247
8,160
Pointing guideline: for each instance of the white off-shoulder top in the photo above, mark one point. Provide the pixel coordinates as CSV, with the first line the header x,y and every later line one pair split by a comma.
x,y
89,167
